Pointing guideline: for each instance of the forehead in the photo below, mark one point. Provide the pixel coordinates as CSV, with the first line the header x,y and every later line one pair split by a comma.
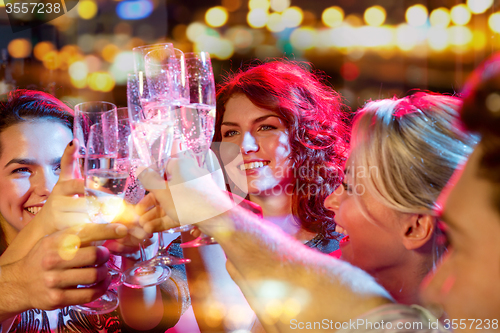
x,y
466,203
239,108
34,137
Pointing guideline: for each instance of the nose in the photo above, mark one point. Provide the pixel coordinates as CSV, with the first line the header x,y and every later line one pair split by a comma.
x,y
332,202
43,183
249,144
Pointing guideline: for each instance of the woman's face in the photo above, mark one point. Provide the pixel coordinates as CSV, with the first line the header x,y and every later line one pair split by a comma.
x,y
29,168
264,143
373,231
467,282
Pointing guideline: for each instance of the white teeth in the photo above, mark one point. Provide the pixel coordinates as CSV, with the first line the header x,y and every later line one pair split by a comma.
x,y
33,210
253,165
340,230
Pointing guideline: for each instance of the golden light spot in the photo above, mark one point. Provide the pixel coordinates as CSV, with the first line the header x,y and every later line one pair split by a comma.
x,y
493,102
257,18
375,16
51,60
69,246
332,16
87,9
216,16
19,48
416,15
460,14
109,52
440,17
42,48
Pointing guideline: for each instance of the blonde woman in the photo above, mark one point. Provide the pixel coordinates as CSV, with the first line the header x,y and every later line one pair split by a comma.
x,y
403,153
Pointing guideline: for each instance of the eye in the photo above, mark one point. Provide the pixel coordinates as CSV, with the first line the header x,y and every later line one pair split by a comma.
x,y
230,133
57,169
347,188
21,170
267,127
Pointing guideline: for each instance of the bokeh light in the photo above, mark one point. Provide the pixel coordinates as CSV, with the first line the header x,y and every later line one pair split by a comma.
x,y
438,38
460,35
292,17
52,60
134,10
374,36
78,70
332,16
42,48
479,40
257,18
440,17
479,6
279,5
195,30
375,16
460,14
102,81
87,9
303,38
216,16
416,15
19,48
494,22
349,71
259,4
407,37
109,52
275,23
231,5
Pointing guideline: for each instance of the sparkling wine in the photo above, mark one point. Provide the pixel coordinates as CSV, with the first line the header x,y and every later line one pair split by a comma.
x,y
197,122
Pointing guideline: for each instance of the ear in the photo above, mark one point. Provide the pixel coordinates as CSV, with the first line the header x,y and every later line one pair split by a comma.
x,y
418,230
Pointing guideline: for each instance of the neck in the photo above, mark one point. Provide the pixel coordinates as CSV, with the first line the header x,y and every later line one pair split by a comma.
x,y
277,209
403,281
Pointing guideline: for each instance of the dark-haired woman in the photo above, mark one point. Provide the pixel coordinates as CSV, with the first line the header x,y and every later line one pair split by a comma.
x,y
36,215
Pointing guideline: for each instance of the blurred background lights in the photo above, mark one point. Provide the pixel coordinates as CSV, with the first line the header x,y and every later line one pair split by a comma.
x,y
279,5
257,18
438,38
134,9
493,102
303,38
231,5
216,16
51,60
374,36
479,6
416,15
259,4
407,37
101,81
78,70
275,23
375,16
459,35
479,40
460,14
332,16
494,22
292,17
87,9
19,48
195,30
42,48
440,17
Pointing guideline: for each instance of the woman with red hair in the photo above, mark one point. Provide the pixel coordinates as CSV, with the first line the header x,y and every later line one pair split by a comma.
x,y
290,129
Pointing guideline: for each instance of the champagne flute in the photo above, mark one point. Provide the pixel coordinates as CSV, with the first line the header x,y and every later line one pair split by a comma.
x,y
105,182
196,120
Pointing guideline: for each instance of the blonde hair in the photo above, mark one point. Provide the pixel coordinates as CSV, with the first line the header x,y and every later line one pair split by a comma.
x,y
413,144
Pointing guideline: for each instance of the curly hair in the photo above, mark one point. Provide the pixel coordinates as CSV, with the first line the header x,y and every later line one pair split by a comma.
x,y
24,105
315,117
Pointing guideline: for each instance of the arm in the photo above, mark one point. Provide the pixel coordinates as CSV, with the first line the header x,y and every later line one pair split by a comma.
x,y
264,259
48,276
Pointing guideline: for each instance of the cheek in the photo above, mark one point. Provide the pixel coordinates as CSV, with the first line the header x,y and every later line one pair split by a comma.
x,y
13,192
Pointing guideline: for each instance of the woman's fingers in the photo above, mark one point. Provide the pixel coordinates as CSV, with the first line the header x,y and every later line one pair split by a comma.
x,y
69,161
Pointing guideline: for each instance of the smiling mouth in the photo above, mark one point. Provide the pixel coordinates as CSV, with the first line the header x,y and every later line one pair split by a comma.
x,y
33,210
342,231
253,165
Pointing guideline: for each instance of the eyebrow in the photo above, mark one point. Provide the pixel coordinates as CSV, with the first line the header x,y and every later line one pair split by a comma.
x,y
258,120
27,161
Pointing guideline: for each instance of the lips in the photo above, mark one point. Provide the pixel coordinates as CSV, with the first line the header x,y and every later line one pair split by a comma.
x,y
342,231
253,165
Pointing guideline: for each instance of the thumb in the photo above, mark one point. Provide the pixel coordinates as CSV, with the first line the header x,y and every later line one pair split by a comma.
x,y
69,162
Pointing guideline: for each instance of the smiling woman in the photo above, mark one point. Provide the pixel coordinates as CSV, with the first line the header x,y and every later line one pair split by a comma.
x,y
34,130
